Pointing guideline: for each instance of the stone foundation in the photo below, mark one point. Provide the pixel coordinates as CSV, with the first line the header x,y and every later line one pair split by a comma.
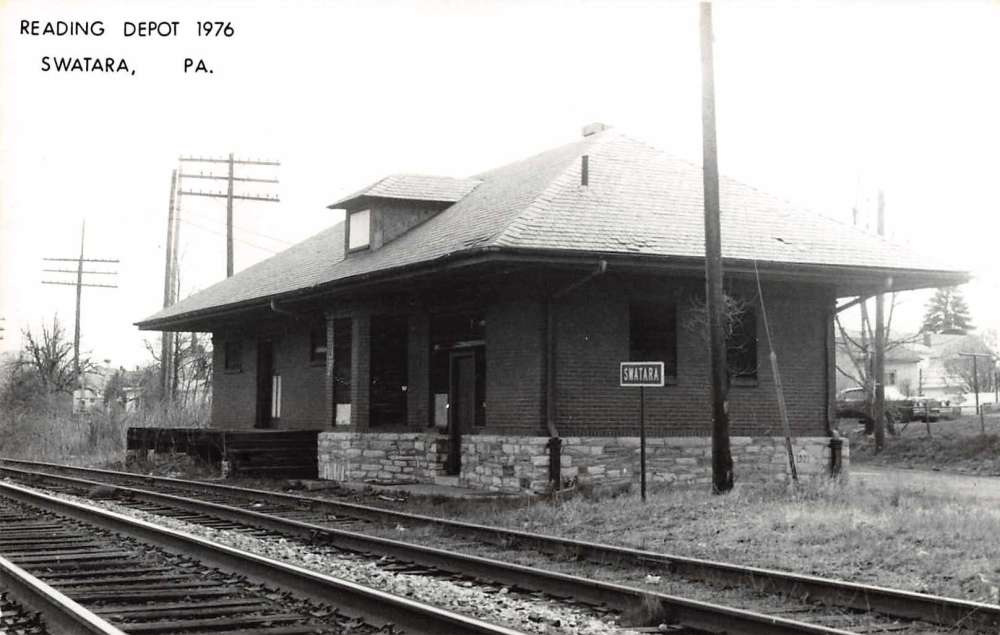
x,y
516,464
392,457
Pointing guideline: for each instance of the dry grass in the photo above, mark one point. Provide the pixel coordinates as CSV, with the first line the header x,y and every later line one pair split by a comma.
x,y
903,538
953,445
50,432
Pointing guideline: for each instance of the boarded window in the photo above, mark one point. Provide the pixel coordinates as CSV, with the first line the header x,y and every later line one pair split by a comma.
x,y
233,355
652,329
741,346
359,228
317,345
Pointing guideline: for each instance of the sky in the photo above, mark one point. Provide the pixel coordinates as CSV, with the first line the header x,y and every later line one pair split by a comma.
x,y
822,103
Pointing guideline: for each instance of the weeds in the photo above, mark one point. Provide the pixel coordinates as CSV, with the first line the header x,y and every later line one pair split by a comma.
x,y
50,432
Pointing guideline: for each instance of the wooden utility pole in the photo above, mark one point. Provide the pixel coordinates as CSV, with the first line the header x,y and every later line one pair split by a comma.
x,y
79,284
975,385
879,366
229,194
169,272
722,459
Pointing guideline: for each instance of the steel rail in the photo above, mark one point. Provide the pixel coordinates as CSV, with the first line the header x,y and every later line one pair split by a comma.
x,y
940,610
59,613
374,606
658,606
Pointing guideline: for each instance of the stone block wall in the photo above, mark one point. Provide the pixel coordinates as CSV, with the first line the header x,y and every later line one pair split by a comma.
x,y
518,463
391,457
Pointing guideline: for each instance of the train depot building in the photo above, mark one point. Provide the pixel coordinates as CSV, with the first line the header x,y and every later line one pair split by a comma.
x,y
471,330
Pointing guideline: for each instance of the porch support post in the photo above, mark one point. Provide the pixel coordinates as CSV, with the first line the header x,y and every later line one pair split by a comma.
x,y
328,387
360,371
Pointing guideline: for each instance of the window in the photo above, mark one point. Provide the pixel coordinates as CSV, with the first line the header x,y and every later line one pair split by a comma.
x,y
890,378
317,345
233,356
741,346
359,229
652,330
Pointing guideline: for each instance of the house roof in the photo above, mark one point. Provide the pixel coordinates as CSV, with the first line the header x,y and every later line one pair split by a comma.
x,y
413,187
639,203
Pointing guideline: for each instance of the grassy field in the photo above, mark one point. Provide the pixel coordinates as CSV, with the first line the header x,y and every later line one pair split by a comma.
x,y
903,538
956,445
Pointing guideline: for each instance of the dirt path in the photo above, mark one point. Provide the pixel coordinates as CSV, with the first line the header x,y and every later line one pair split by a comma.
x,y
983,488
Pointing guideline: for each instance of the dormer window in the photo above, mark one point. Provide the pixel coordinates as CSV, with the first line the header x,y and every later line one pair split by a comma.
x,y
359,229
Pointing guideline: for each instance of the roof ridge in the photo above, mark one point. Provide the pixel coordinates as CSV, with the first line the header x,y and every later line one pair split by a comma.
x,y
511,229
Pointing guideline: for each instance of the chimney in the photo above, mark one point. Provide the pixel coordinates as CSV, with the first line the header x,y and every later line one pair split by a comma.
x,y
594,128
927,339
585,170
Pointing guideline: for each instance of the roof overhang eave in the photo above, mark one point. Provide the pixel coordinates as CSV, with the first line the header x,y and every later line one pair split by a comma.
x,y
849,281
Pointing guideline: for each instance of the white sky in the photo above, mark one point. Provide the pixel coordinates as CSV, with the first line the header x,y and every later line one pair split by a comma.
x,y
820,103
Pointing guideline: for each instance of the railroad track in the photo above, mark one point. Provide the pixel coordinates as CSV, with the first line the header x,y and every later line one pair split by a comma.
x,y
93,571
263,507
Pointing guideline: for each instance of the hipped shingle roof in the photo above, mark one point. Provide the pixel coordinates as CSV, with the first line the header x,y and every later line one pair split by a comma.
x,y
639,201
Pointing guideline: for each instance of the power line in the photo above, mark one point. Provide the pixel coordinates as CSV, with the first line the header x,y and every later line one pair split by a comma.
x,y
219,233
230,178
79,284
242,228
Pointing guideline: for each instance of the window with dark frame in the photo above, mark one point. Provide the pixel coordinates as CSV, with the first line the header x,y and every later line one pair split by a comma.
x,y
317,344
233,355
652,329
741,346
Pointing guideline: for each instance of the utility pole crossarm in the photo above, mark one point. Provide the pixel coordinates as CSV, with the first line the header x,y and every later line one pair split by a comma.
x,y
244,197
226,160
112,260
230,194
226,178
82,284
100,273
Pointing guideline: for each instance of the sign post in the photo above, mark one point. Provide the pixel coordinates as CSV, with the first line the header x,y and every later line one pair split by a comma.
x,y
641,375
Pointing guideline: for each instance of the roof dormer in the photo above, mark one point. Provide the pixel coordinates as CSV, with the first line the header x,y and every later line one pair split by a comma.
x,y
389,208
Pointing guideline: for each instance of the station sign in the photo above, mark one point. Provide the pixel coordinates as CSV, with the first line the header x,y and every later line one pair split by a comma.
x,y
641,374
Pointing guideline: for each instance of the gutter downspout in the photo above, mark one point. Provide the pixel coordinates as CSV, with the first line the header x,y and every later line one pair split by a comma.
x,y
277,309
554,444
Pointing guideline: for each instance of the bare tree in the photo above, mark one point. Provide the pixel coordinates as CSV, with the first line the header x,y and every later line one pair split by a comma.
x,y
860,350
48,359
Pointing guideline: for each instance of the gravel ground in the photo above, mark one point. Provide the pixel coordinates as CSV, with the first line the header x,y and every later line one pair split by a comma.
x,y
467,598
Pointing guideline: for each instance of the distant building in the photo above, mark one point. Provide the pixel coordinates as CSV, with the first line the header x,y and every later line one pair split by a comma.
x,y
926,364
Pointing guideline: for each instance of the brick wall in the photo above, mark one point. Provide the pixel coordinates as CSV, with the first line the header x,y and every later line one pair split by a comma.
x,y
234,404
303,382
515,366
593,338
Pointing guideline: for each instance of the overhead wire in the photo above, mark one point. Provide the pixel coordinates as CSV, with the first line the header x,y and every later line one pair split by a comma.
x,y
204,217
219,233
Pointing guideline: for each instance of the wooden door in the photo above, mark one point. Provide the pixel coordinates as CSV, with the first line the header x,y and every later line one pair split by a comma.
x,y
461,405
265,382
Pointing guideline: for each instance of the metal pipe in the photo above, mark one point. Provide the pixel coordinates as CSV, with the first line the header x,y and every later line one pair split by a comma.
x,y
554,444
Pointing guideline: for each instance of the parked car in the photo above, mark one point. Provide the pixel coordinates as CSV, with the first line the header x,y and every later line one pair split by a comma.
x,y
851,404
925,408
